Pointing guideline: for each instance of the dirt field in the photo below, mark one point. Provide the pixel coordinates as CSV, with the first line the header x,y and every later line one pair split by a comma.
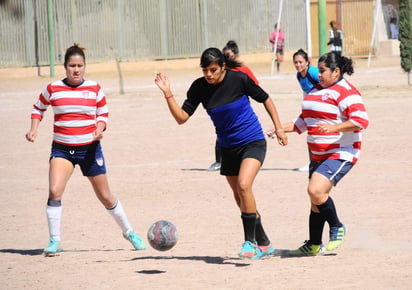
x,y
158,170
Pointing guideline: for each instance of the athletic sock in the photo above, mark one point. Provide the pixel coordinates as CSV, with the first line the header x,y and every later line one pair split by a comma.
x,y
218,154
249,226
316,223
119,215
261,237
54,218
328,212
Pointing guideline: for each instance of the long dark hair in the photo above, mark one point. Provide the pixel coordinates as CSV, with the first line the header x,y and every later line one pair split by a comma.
x,y
214,55
231,45
302,53
333,60
75,49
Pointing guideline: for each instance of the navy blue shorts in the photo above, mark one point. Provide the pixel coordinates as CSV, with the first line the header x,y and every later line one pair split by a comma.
x,y
232,158
332,169
89,157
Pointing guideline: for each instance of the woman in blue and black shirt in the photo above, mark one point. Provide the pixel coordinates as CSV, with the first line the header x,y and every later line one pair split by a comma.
x,y
225,96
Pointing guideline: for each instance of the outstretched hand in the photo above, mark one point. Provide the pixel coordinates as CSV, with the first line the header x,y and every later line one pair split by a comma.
x,y
280,135
162,82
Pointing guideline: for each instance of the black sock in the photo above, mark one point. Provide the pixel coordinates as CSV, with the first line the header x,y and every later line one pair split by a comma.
x,y
316,223
54,203
261,237
218,155
249,226
328,212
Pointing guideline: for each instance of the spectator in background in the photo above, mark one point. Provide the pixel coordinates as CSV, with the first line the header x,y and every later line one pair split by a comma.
x,y
277,38
393,25
335,38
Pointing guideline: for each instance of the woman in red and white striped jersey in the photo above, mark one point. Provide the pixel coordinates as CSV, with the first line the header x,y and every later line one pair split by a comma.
x,y
333,115
80,117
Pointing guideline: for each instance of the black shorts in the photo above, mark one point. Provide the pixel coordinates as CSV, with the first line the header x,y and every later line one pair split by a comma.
x,y
279,50
232,158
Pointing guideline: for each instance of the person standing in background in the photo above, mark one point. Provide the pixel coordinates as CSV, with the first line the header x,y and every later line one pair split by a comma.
x,y
231,50
80,118
277,38
335,38
393,25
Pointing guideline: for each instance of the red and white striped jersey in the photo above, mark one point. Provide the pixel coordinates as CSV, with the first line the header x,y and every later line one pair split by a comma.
x,y
77,110
336,104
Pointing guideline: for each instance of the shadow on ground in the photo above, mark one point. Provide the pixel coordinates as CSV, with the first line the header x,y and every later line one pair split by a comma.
x,y
206,259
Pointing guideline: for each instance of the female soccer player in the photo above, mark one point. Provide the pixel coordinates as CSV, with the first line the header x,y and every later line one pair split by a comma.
x,y
333,114
306,74
231,50
224,94
80,117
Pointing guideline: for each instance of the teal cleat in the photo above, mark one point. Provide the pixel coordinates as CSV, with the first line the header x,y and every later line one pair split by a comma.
x,y
267,250
53,248
250,251
136,241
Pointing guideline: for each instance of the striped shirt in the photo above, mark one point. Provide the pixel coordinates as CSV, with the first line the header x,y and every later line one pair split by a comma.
x,y
77,110
334,105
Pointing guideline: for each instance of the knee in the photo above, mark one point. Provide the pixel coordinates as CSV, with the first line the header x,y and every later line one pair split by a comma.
x,y
316,194
55,192
243,187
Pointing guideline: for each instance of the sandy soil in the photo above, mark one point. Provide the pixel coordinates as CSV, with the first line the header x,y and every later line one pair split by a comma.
x,y
158,170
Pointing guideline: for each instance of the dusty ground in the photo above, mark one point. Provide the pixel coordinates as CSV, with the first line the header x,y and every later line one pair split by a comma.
x,y
157,169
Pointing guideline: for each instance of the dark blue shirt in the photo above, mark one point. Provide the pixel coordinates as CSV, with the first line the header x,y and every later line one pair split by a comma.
x,y
228,105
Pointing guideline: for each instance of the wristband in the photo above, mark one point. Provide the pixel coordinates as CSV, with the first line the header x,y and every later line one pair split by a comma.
x,y
280,130
168,97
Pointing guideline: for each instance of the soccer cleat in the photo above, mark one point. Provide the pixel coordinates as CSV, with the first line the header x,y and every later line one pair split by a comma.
x,y
307,249
53,248
336,235
136,241
214,167
267,250
250,251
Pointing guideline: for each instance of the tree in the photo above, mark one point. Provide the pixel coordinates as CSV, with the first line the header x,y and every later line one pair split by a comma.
x,y
405,35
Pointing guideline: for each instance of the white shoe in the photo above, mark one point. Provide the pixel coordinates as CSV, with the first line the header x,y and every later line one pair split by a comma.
x,y
304,168
214,167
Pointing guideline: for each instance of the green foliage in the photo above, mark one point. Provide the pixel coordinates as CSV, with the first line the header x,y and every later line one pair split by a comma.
x,y
405,34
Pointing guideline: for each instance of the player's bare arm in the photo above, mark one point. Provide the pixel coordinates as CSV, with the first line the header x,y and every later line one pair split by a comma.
x,y
177,112
272,111
32,134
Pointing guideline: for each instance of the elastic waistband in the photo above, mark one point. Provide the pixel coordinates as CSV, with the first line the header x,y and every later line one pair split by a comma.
x,y
78,148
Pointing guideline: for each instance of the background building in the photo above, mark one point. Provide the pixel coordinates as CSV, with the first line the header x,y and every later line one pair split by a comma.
x,y
165,29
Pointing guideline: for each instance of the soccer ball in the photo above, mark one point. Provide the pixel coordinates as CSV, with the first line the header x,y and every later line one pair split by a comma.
x,y
162,235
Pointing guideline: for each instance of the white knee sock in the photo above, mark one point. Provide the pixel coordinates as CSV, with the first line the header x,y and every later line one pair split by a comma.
x,y
54,218
120,217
